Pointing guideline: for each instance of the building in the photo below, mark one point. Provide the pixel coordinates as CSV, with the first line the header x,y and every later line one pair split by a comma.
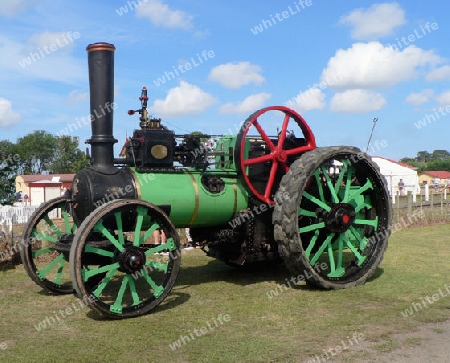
x,y
41,188
437,178
393,171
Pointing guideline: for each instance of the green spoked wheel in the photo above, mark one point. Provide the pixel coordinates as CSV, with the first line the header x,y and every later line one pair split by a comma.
x,y
117,267
332,217
46,243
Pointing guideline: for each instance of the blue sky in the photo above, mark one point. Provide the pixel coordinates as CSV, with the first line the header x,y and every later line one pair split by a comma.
x,y
339,64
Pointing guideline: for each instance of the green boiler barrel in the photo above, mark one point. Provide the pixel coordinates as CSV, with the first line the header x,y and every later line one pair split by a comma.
x,y
191,203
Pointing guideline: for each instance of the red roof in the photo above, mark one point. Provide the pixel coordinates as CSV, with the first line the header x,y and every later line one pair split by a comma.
x,y
38,177
441,174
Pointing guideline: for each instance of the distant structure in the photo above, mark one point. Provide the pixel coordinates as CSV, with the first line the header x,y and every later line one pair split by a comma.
x,y
43,187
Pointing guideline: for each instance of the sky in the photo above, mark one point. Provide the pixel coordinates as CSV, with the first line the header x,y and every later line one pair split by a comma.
x,y
208,65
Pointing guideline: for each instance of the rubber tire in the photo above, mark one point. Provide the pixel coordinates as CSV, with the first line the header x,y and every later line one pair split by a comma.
x,y
285,217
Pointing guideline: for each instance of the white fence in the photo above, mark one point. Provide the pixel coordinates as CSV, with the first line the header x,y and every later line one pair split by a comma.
x,y
18,215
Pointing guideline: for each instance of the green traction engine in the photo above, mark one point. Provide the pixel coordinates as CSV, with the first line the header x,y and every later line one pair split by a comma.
x,y
264,195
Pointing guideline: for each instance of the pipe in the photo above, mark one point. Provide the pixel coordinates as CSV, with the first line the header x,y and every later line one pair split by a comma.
x,y
101,85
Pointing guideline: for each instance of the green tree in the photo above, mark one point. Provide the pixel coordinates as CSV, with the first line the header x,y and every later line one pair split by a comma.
x,y
68,158
440,154
9,165
36,152
424,156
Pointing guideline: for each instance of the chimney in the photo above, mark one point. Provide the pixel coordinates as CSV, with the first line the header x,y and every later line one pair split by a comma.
x,y
101,84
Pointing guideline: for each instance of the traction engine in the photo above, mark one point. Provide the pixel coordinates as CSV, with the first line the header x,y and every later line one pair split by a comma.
x,y
264,195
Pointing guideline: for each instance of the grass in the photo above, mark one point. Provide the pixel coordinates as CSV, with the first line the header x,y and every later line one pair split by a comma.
x,y
292,326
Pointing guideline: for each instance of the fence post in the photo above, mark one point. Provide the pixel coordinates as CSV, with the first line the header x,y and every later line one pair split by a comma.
x,y
426,191
409,201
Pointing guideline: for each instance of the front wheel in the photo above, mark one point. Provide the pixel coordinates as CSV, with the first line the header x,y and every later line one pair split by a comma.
x,y
333,217
116,265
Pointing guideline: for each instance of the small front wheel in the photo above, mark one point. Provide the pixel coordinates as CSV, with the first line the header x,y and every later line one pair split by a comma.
x,y
117,266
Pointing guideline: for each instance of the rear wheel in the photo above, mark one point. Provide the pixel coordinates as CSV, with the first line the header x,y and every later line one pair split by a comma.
x,y
116,267
46,243
332,217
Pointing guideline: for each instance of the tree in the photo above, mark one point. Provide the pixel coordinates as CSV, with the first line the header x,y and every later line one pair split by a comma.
x,y
9,164
36,152
424,156
440,154
68,158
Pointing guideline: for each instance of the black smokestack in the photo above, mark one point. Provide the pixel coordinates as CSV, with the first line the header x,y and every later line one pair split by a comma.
x,y
101,84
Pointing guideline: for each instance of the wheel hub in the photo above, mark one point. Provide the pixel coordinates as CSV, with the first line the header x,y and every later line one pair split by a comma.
x,y
281,156
131,259
340,217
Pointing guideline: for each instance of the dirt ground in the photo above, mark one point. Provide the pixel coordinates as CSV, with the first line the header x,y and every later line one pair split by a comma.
x,y
429,343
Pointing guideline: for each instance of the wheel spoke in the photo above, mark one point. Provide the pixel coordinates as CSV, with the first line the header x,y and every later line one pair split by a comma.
x,y
117,306
99,227
52,225
360,258
169,245
362,241
312,227
42,251
283,132
60,272
45,237
102,269
269,186
264,136
258,160
319,185
330,184
118,217
307,213
148,233
338,271
322,248
134,294
42,273
368,222
312,243
104,282
298,150
355,193
316,201
98,251
157,289
331,258
342,173
66,221
141,212
348,184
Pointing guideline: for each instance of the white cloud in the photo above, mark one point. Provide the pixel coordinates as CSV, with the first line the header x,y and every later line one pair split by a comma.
x,y
20,62
377,21
249,105
373,65
51,42
439,74
235,75
444,98
78,96
162,15
357,101
420,98
7,116
186,99
311,99
13,7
